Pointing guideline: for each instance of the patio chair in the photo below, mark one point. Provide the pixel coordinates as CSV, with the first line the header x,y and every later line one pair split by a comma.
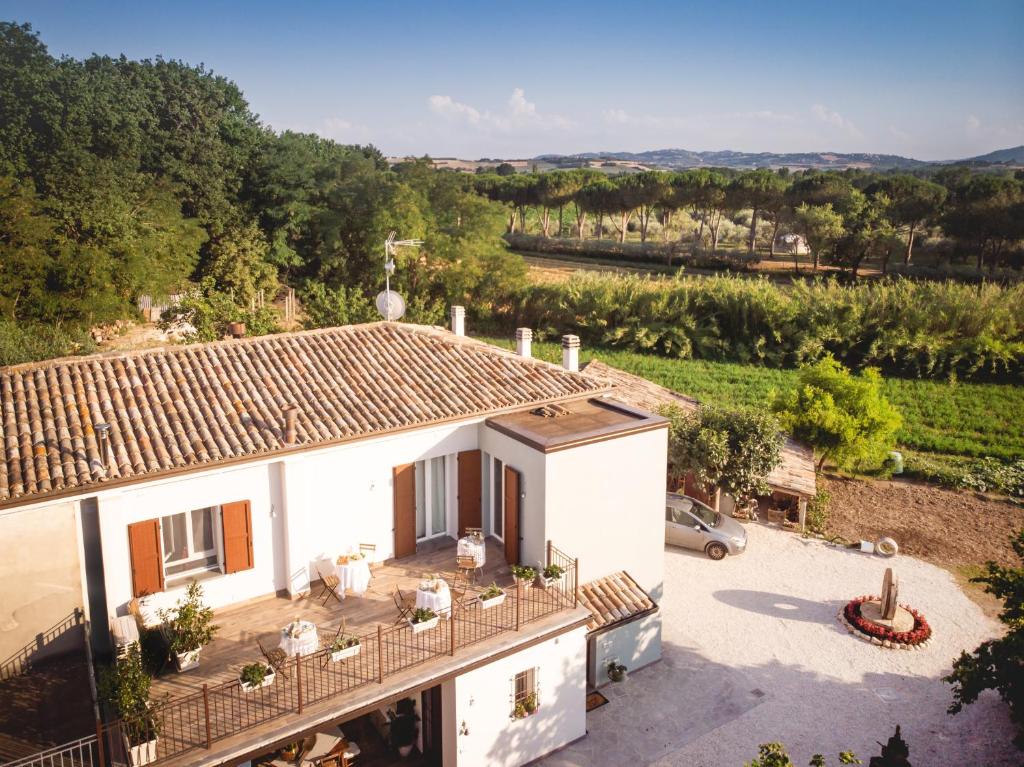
x,y
467,566
405,604
330,583
369,550
276,658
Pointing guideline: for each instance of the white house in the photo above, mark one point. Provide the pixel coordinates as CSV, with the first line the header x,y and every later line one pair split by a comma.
x,y
249,465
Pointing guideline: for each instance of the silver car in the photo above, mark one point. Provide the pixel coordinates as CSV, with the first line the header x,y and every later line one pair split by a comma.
x,y
691,524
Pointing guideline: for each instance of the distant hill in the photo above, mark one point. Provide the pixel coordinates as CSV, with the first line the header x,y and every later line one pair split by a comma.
x,y
684,158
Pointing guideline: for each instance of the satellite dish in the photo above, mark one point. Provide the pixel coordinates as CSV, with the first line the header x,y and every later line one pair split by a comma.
x,y
390,305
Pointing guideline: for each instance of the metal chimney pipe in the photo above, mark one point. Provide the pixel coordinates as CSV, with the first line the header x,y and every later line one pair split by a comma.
x,y
291,415
524,342
459,320
103,444
571,353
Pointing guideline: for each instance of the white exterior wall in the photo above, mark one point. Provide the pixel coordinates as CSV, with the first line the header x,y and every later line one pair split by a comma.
x,y
606,506
533,499
485,730
634,645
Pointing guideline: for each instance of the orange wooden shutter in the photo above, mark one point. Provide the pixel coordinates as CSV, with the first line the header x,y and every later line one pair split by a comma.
x,y
404,481
236,519
147,561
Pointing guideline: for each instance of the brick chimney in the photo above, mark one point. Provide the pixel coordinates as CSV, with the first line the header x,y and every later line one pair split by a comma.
x,y
291,415
571,353
524,342
459,320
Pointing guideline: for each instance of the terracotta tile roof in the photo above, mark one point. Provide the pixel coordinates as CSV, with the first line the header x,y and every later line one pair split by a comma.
x,y
613,599
195,406
795,472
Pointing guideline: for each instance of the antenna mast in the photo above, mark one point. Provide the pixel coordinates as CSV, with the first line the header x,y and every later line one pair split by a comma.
x,y
389,268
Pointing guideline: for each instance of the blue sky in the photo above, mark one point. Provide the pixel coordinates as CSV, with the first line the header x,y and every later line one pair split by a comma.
x,y
934,80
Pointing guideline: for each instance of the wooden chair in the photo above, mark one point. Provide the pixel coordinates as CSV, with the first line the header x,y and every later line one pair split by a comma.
x,y
369,550
330,583
458,589
476,532
467,566
276,658
405,604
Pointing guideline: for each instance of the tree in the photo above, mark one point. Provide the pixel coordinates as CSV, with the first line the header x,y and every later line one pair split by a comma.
x,y
762,191
820,226
733,450
598,197
914,202
505,169
643,191
997,664
325,307
237,262
984,214
844,417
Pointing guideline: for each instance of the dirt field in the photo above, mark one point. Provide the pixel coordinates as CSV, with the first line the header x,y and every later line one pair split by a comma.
x,y
955,529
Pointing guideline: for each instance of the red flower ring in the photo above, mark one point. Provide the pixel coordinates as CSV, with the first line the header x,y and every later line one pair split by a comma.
x,y
920,633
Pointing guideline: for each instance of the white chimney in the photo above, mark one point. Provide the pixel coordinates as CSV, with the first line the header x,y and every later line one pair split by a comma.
x,y
459,320
571,353
524,342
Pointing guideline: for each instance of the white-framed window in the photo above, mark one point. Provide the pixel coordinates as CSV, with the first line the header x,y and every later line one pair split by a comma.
x,y
498,500
191,543
431,498
525,693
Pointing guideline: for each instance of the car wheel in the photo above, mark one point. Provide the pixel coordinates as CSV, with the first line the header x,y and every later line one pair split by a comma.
x,y
716,550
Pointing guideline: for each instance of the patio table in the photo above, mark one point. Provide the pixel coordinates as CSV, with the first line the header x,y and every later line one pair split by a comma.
x,y
353,574
470,546
439,601
300,638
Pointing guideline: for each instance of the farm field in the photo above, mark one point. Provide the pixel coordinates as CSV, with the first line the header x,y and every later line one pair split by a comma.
x,y
947,420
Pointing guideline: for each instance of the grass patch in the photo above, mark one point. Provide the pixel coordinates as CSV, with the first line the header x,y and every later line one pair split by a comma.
x,y
947,420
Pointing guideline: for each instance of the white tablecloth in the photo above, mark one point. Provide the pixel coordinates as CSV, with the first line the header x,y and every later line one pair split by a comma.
x,y
472,547
437,601
354,575
305,643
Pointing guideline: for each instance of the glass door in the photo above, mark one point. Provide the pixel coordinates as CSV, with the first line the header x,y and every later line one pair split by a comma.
x,y
431,498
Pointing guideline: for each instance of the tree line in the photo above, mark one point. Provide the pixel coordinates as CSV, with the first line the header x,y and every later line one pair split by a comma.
x,y
120,178
845,217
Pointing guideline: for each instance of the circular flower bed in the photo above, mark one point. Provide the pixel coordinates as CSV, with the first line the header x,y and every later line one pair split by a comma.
x,y
882,635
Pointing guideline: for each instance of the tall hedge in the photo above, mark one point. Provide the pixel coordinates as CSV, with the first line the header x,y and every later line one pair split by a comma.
x,y
905,327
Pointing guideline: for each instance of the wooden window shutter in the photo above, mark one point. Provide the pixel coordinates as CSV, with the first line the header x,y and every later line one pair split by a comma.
x,y
147,560
236,519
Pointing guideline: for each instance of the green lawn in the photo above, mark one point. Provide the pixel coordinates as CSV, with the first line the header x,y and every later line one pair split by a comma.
x,y
944,419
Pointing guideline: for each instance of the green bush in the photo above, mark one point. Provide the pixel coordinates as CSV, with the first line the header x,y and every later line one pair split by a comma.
x,y
25,342
916,329
818,511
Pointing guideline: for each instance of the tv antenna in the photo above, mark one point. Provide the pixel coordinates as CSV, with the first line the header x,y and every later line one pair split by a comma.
x,y
390,304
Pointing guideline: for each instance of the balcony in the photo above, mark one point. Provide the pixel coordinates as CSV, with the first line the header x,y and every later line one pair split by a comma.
x,y
205,716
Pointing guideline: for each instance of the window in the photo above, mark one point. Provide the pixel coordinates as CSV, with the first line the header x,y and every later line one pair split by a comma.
x,y
190,542
525,699
431,498
498,500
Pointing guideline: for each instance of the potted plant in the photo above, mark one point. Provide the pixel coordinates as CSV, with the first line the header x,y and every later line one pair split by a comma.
x,y
256,675
523,573
291,752
423,618
616,671
551,574
125,688
527,706
189,627
344,647
492,596
404,729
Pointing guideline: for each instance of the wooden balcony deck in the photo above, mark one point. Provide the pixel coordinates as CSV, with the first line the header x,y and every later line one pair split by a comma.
x,y
240,626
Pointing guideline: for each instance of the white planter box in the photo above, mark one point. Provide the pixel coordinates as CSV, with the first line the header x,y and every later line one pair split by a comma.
x,y
143,753
422,626
187,660
546,583
267,681
348,652
493,601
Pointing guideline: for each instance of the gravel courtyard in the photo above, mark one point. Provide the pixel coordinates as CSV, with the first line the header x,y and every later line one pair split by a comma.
x,y
753,653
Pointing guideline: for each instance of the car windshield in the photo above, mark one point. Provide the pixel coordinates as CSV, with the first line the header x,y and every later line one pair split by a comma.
x,y
702,513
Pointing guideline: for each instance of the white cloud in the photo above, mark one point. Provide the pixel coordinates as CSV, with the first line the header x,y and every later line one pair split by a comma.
x,y
830,117
895,132
615,117
518,115
973,123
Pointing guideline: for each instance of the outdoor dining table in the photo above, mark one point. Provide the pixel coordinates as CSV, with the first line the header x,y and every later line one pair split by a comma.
x,y
353,574
319,746
300,638
471,546
439,600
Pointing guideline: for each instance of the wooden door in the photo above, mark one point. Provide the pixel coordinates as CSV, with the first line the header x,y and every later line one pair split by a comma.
x,y
469,491
405,509
511,485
